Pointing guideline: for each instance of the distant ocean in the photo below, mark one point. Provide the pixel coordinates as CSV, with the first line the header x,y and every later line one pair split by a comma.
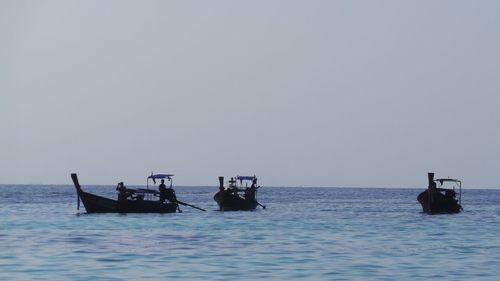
x,y
304,234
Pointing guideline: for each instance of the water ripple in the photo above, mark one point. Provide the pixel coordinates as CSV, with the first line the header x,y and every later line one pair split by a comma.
x,y
308,233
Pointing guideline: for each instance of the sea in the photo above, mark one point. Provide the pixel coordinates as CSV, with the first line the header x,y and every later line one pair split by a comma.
x,y
306,233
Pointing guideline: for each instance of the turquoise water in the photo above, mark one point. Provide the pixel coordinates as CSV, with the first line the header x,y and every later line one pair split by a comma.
x,y
304,234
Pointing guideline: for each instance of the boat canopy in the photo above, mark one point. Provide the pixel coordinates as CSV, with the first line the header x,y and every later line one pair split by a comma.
x,y
249,178
161,176
447,180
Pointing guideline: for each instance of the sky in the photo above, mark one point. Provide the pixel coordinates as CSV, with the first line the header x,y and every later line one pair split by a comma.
x,y
299,93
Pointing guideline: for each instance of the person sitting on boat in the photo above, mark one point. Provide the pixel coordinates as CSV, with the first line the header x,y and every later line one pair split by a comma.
x,y
122,191
166,193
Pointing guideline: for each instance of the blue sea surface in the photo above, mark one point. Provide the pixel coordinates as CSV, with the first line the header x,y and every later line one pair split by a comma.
x,y
305,233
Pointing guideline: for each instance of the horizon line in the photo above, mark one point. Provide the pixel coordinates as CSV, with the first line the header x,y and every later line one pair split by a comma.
x,y
267,186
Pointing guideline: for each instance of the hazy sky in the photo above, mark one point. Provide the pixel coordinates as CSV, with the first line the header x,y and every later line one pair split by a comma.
x,y
312,93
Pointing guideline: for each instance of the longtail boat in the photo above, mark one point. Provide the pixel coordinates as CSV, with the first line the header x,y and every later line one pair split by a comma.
x,y
131,200
440,200
237,198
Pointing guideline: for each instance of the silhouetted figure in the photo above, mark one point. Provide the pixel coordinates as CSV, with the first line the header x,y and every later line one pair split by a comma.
x,y
250,191
122,191
162,188
166,193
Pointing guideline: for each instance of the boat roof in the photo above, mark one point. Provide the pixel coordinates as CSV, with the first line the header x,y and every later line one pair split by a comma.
x,y
245,177
449,180
160,176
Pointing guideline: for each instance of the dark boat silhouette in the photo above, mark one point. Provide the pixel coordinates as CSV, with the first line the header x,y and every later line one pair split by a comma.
x,y
441,200
235,198
137,201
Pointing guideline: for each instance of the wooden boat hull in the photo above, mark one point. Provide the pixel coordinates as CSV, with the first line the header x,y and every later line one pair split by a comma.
x,y
231,202
98,204
438,204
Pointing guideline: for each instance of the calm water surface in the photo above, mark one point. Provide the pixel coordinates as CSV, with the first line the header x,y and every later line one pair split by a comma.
x,y
305,233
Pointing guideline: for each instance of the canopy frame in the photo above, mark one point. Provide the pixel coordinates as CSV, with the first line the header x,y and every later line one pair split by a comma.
x,y
154,177
245,178
458,184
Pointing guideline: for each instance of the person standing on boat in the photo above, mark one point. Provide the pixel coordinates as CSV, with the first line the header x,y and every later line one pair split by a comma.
x,y
250,191
162,188
166,193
